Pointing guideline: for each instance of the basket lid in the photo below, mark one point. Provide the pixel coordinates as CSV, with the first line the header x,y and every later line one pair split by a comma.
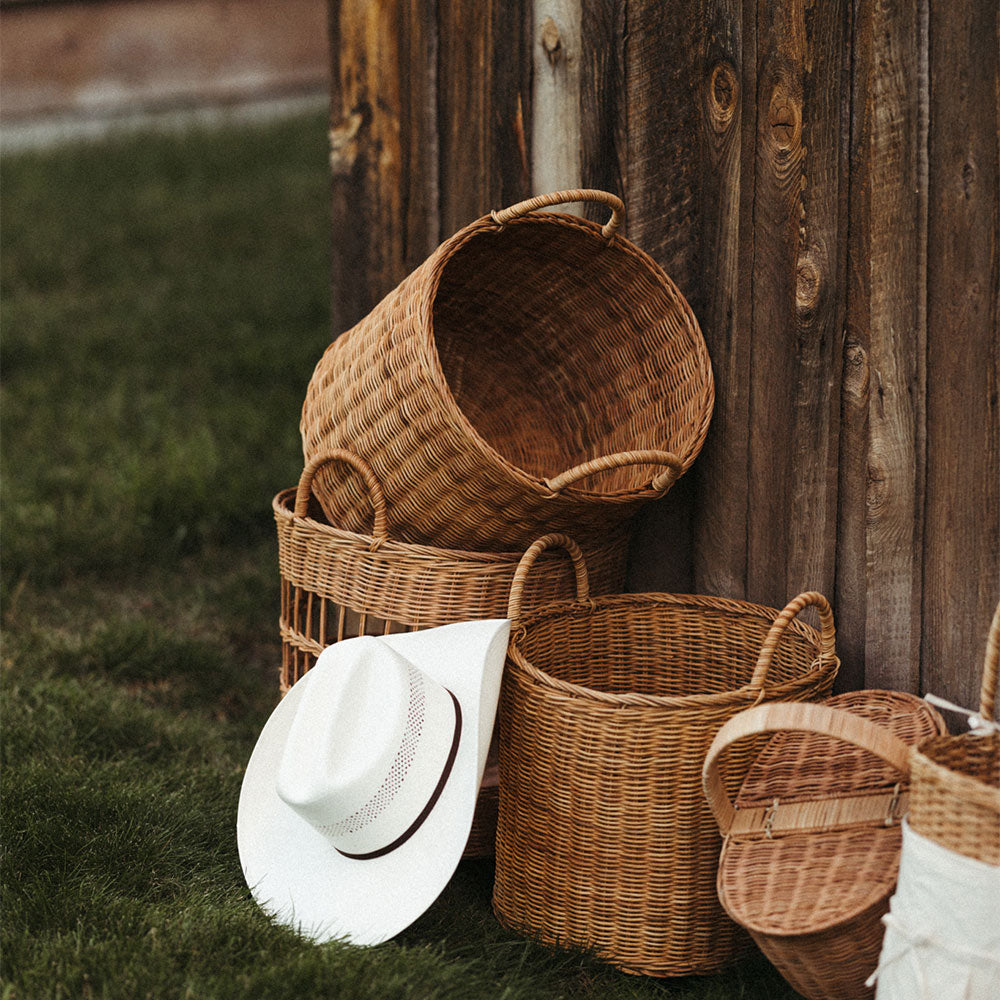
x,y
815,836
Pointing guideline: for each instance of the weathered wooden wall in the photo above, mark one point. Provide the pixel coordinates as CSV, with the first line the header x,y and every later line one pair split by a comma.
x,y
822,181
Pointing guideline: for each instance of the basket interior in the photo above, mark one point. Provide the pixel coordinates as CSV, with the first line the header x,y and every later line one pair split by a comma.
x,y
559,347
649,647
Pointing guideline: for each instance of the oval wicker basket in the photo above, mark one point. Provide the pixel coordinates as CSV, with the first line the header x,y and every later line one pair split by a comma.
x,y
535,373
812,843
956,779
336,584
604,838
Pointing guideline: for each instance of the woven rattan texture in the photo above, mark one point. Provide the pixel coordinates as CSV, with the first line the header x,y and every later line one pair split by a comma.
x,y
605,840
333,586
955,797
813,901
512,355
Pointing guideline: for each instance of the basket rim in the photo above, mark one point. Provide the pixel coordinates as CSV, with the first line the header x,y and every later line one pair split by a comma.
x,y
743,696
430,356
284,500
973,791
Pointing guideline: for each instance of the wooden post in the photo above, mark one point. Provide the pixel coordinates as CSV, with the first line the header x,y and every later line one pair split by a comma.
x,y
555,133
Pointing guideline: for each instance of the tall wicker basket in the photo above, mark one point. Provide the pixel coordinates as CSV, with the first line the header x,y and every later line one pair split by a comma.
x,y
956,779
812,843
604,839
336,584
536,373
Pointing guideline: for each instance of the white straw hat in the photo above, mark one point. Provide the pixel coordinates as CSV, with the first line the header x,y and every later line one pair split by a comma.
x,y
358,798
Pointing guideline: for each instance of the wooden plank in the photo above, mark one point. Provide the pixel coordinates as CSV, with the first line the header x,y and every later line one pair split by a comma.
x,y
803,51
383,154
603,100
879,572
108,57
962,512
686,193
484,96
556,110
728,129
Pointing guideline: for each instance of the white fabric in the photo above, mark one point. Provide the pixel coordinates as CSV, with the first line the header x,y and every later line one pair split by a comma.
x,y
293,869
942,938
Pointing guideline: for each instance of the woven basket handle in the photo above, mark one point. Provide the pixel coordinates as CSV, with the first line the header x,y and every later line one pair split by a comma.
x,y
375,494
617,206
802,717
528,560
827,644
661,482
988,692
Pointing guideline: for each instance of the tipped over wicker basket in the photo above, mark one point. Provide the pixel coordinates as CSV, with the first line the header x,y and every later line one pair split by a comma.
x,y
604,838
812,840
536,373
337,584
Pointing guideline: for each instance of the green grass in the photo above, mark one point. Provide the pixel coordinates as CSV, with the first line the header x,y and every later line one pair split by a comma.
x,y
164,302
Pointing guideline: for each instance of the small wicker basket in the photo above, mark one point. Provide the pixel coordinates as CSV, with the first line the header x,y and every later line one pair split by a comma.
x,y
604,838
956,779
812,842
336,584
535,373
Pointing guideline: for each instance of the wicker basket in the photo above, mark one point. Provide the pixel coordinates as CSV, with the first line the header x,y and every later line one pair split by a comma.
x,y
604,839
956,779
811,848
536,373
336,584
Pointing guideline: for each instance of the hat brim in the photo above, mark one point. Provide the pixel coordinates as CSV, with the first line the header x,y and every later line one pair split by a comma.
x,y
294,872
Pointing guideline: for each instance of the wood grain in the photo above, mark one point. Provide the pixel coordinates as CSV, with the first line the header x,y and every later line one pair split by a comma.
x,y
798,260
556,64
603,99
685,189
882,416
382,150
962,519
484,100
727,130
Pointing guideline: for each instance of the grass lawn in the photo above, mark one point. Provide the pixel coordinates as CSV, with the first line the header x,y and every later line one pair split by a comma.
x,y
164,302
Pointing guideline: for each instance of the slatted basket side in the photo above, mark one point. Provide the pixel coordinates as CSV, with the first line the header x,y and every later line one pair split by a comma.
x,y
337,584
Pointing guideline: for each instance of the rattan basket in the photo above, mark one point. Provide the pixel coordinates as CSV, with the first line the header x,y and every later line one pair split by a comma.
x,y
812,843
336,584
536,373
956,779
604,838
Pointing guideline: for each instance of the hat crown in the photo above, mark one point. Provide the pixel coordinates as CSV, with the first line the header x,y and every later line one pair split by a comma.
x,y
368,741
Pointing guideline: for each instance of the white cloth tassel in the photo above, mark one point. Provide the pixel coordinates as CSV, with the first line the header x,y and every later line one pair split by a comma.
x,y
942,938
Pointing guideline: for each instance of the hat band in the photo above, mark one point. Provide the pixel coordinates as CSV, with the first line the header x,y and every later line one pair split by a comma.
x,y
435,795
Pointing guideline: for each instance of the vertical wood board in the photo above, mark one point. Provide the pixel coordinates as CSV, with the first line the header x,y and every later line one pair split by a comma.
x,y
799,247
962,514
882,411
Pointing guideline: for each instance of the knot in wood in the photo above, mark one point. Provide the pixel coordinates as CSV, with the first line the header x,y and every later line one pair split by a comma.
x,y
807,284
784,119
344,144
551,41
723,95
